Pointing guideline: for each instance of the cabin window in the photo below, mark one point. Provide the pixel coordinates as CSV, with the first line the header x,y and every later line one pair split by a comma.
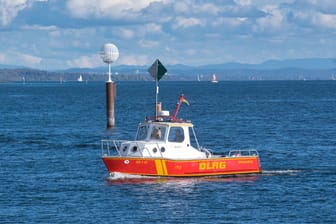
x,y
176,134
158,132
142,133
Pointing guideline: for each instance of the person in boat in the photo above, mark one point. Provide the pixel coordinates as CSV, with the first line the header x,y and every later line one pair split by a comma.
x,y
176,134
179,137
156,134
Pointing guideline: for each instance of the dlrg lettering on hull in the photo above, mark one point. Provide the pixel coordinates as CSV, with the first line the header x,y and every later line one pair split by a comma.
x,y
212,165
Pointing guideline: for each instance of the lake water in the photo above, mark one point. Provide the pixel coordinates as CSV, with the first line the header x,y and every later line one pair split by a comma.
x,y
51,170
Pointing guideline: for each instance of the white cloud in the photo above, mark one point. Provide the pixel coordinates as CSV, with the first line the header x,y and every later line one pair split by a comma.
x,y
153,28
133,59
9,10
148,43
55,33
85,61
127,33
315,19
194,8
243,2
324,20
182,22
18,58
232,22
273,20
149,31
321,5
181,6
191,52
37,28
106,8
30,59
238,30
2,58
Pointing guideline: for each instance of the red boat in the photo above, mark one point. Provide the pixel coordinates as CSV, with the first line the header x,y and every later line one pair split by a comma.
x,y
167,147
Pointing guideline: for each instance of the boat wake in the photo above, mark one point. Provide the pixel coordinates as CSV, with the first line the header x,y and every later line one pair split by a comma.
x,y
122,176
280,172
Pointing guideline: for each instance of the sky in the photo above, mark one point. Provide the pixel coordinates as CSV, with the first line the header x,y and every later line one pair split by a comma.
x,y
61,34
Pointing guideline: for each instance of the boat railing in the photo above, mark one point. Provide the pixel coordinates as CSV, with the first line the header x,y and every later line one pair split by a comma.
x,y
113,148
108,147
245,152
208,152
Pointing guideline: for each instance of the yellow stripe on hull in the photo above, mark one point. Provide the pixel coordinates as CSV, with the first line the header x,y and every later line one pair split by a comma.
x,y
161,167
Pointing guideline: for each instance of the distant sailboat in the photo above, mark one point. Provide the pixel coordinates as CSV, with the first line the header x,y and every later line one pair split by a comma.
x,y
80,79
214,79
198,78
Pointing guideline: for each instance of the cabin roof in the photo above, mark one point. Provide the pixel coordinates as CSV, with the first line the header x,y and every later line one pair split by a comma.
x,y
170,124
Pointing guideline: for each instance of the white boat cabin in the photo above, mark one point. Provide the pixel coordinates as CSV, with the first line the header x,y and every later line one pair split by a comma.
x,y
170,140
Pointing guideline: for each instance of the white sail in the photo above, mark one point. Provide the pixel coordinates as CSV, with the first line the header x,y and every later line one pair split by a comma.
x,y
214,79
80,78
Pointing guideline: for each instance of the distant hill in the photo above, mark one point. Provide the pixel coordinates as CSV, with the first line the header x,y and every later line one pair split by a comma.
x,y
309,63
10,66
292,69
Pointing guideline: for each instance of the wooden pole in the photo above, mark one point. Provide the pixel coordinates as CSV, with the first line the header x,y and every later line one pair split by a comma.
x,y
110,96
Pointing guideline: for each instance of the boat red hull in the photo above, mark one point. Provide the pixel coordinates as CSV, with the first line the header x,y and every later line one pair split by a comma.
x,y
183,168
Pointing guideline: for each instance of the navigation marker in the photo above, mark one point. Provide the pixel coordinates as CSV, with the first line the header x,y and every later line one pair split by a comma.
x,y
157,71
109,53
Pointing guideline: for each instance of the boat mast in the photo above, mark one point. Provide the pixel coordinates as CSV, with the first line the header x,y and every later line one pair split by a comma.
x,y
156,91
157,70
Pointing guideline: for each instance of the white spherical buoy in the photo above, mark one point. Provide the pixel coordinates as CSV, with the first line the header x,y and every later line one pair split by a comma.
x,y
109,53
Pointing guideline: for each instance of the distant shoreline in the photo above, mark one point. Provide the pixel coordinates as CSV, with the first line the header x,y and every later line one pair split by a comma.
x,y
31,75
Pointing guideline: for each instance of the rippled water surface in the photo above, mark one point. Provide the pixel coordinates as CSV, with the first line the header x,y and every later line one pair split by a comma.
x,y
51,171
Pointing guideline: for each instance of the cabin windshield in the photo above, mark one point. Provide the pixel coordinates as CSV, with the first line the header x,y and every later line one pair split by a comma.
x,y
142,132
151,132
